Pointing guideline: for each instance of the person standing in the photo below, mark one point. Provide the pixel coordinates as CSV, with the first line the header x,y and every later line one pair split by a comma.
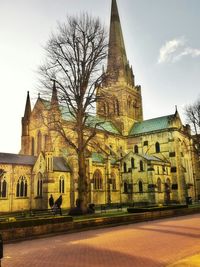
x,y
58,203
51,201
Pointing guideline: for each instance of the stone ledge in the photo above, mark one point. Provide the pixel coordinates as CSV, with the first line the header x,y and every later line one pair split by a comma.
x,y
30,228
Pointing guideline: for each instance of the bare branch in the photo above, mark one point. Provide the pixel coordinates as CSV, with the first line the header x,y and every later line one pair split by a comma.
x,y
75,55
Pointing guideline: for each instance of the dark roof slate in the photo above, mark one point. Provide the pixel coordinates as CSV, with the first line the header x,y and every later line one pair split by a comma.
x,y
59,164
8,158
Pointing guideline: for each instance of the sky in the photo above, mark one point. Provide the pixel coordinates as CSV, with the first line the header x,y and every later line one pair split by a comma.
x,y
162,43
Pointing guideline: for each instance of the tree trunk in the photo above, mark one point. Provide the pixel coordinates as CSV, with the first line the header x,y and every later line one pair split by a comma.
x,y
82,183
82,179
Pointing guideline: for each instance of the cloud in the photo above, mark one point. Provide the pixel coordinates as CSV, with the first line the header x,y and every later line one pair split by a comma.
x,y
175,50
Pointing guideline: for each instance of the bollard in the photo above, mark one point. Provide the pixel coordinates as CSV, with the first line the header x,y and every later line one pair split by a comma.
x,y
1,248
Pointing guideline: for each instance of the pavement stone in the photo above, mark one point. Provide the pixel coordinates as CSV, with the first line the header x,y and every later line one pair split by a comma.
x,y
148,244
193,261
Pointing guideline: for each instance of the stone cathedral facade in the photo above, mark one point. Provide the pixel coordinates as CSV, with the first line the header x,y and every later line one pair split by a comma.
x,y
145,161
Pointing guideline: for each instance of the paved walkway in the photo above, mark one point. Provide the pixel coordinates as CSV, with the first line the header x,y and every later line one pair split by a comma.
x,y
149,244
193,261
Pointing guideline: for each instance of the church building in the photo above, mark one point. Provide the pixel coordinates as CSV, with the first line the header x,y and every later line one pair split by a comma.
x,y
142,161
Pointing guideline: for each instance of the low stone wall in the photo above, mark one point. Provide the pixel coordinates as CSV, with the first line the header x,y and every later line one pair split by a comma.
x,y
27,229
132,218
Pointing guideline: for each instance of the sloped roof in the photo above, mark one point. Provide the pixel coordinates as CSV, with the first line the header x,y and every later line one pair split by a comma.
x,y
144,156
102,124
8,158
92,121
100,158
97,157
151,125
150,157
59,164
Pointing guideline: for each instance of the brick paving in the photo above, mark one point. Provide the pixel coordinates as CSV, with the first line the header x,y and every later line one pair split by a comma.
x,y
149,244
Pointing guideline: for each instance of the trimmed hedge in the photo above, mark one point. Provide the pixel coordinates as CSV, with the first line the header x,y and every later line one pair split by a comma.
x,y
30,222
138,210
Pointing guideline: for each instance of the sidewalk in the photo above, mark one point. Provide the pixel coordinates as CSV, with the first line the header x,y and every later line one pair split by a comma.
x,y
155,243
193,261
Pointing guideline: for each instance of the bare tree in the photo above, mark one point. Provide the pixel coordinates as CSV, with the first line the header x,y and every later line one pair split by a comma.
x,y
193,116
192,113
74,60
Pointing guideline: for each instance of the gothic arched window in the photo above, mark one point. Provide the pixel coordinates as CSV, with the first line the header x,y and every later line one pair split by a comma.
x,y
157,147
141,166
98,181
62,185
3,188
140,187
116,107
129,102
22,187
32,146
136,149
39,185
132,163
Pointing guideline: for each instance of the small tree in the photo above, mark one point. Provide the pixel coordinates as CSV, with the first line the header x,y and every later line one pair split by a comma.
x,y
75,56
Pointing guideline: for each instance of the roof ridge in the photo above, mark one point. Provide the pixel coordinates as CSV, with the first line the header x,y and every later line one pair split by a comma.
x,y
154,124
171,115
15,154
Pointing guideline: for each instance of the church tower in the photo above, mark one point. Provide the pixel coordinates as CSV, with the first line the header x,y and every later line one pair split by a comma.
x,y
25,138
119,99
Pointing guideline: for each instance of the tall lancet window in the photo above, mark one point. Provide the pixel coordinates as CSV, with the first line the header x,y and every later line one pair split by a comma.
x,y
39,185
98,180
62,185
39,142
3,188
22,187
157,147
116,107
32,146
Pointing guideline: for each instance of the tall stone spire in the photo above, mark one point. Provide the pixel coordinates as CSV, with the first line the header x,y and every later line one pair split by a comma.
x,y
118,69
55,114
54,98
27,111
25,145
120,99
